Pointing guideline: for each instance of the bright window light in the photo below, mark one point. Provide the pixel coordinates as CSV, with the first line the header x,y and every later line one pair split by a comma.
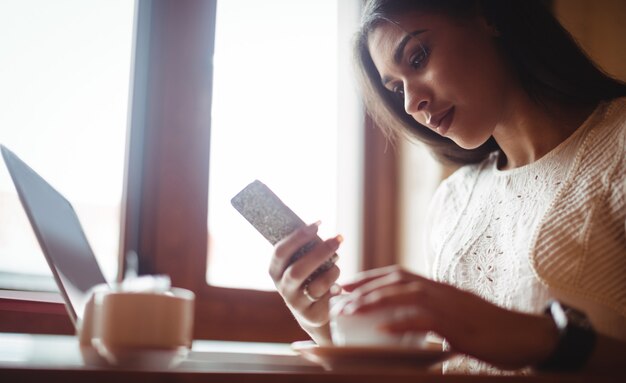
x,y
64,70
275,118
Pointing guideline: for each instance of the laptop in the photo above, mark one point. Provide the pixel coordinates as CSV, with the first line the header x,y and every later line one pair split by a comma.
x,y
59,233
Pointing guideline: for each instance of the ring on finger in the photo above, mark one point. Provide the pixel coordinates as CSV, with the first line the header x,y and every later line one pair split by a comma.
x,y
308,295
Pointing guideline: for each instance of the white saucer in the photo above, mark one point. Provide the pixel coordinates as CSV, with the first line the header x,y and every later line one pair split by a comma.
x,y
370,358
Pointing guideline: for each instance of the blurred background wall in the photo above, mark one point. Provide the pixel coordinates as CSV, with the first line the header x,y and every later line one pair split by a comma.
x,y
600,28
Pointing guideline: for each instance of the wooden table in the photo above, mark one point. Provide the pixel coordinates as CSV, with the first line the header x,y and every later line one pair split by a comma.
x,y
57,358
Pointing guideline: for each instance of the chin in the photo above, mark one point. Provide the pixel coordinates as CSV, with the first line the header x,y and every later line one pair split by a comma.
x,y
469,143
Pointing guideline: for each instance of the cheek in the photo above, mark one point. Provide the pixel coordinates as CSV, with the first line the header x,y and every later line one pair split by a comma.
x,y
476,86
471,82
475,100
472,72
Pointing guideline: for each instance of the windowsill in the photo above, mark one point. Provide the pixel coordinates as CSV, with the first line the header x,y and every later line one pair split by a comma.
x,y
32,296
27,282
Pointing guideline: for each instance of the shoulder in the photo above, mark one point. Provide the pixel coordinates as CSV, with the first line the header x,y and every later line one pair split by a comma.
x,y
607,138
583,229
613,143
617,107
614,119
603,141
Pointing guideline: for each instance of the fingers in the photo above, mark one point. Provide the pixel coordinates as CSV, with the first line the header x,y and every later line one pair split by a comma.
x,y
378,277
386,287
368,276
325,283
305,288
285,248
415,294
301,271
313,311
388,277
297,276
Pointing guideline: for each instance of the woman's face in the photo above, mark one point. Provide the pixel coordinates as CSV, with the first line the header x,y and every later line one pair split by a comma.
x,y
447,72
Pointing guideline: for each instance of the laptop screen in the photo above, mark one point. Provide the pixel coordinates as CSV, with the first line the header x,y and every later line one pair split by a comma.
x,y
59,233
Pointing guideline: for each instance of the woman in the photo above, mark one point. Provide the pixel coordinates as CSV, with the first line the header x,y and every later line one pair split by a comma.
x,y
535,216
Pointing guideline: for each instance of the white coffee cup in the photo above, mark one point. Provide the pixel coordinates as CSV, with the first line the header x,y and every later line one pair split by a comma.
x,y
363,330
137,328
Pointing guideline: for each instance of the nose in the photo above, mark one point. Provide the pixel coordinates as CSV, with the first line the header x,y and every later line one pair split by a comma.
x,y
416,99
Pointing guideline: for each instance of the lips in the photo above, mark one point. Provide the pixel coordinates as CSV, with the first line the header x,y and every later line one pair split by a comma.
x,y
441,122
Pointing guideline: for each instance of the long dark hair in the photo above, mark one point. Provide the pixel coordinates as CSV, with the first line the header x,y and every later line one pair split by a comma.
x,y
549,63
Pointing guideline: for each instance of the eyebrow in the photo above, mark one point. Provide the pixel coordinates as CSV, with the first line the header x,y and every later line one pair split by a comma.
x,y
397,55
399,51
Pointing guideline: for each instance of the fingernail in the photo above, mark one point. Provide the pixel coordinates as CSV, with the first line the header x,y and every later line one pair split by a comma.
x,y
336,242
335,290
312,228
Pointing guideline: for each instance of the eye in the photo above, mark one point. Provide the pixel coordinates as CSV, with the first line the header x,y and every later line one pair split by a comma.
x,y
398,91
419,58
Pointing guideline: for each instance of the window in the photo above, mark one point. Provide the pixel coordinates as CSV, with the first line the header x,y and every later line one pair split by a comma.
x,y
275,117
64,70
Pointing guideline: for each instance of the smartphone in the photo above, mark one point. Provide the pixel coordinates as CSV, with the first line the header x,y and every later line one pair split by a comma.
x,y
273,219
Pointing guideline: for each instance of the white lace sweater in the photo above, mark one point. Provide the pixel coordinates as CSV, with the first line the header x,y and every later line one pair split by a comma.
x,y
552,229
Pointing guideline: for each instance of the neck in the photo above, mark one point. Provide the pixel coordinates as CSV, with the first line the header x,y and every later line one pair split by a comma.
x,y
530,130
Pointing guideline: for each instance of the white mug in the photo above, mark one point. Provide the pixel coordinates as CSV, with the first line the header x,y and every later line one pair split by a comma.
x,y
137,328
362,330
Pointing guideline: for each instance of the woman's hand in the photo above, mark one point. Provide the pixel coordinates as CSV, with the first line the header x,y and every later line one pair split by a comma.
x,y
291,280
470,324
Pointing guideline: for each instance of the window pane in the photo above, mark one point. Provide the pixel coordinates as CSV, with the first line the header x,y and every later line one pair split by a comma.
x,y
275,118
64,70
